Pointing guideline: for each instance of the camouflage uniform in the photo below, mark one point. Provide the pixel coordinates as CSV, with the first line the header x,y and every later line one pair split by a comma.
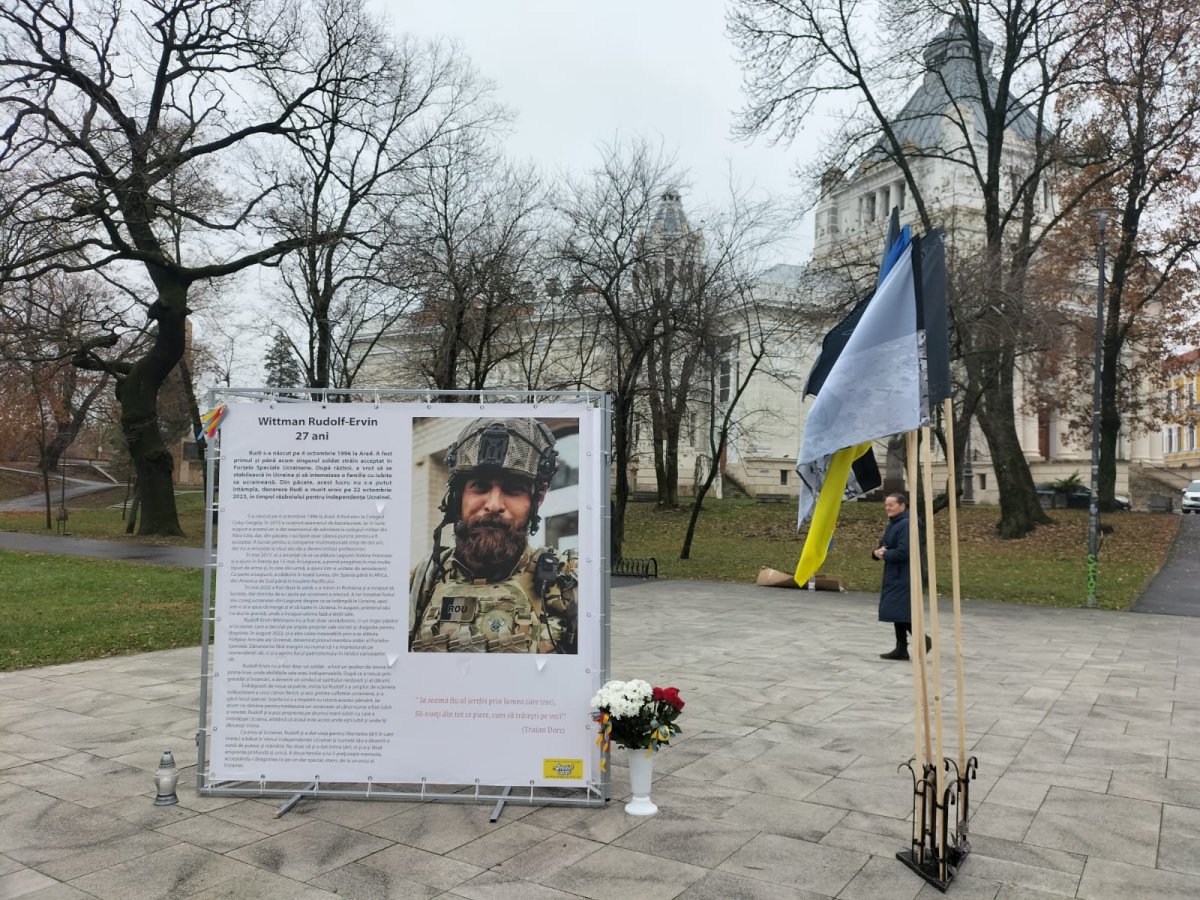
x,y
465,615
452,611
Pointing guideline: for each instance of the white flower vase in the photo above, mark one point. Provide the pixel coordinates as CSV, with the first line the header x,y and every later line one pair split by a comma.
x,y
641,773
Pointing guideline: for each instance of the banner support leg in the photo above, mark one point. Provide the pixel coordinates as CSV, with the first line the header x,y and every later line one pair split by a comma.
x,y
292,801
499,807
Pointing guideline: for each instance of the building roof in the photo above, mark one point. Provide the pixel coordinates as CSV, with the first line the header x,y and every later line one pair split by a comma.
x,y
950,79
1182,361
669,219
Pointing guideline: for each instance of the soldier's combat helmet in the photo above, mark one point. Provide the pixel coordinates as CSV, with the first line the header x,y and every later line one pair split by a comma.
x,y
523,447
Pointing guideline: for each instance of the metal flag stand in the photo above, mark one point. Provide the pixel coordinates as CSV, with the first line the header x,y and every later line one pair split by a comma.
x,y
594,794
936,851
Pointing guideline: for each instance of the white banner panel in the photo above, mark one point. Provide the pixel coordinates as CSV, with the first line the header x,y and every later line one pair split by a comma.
x,y
325,668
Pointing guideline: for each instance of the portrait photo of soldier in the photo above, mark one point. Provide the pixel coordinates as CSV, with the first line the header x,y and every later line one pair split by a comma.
x,y
484,584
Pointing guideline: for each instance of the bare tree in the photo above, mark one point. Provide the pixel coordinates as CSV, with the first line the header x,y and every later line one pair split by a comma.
x,y
121,117
347,177
991,124
1142,94
608,215
694,285
752,331
561,346
472,252
42,323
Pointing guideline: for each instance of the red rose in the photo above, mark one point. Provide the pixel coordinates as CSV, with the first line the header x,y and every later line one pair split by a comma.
x,y
670,696
657,694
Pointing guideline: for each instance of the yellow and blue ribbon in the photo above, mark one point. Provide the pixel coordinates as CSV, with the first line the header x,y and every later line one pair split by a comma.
x,y
209,422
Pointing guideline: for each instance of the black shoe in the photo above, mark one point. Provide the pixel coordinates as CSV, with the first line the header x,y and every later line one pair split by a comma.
x,y
898,653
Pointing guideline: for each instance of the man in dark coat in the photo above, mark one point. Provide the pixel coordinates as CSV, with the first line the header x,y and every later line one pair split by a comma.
x,y
895,604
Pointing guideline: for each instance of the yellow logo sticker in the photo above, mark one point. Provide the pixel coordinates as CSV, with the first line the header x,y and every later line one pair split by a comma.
x,y
562,768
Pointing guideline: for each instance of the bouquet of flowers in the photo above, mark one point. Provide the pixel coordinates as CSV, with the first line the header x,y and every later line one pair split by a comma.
x,y
636,715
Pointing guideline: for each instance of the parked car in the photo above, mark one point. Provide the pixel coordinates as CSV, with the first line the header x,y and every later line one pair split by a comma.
x,y
1081,498
1078,497
1191,498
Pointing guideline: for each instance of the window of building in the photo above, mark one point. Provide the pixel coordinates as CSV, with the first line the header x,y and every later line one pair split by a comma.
x,y
1045,195
560,507
568,449
871,210
726,374
1191,435
886,196
833,220
783,475
900,196
983,481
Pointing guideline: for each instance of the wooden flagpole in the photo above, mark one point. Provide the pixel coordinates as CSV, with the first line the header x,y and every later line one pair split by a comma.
x,y
917,600
931,563
952,492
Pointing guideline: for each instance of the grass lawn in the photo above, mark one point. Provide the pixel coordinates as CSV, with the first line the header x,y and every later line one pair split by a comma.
x,y
99,516
18,484
57,609
735,538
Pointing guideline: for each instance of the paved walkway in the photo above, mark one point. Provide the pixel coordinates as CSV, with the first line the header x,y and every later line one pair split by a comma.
x,y
76,487
785,785
1175,590
130,551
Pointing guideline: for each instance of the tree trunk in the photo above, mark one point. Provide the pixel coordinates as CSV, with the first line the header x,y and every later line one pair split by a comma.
x,y
672,465
685,552
621,437
46,490
138,396
660,466
1110,429
1110,411
49,456
1020,511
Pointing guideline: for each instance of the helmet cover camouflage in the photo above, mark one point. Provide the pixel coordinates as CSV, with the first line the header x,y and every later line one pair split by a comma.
x,y
519,446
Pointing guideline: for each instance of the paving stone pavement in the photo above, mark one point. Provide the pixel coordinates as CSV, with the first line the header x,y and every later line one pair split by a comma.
x,y
785,785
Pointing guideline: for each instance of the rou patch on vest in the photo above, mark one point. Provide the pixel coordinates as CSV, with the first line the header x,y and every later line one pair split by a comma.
x,y
457,609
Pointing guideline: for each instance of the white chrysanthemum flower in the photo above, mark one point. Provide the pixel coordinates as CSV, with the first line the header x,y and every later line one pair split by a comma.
x,y
638,689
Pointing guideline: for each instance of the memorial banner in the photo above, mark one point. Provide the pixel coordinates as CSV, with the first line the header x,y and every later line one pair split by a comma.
x,y
408,593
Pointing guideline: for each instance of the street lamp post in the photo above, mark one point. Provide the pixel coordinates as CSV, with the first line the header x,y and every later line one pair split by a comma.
x,y
1093,562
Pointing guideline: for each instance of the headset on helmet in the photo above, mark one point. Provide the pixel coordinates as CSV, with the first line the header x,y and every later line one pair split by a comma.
x,y
523,447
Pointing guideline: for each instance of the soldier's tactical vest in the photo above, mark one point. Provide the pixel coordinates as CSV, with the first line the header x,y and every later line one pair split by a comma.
x,y
502,617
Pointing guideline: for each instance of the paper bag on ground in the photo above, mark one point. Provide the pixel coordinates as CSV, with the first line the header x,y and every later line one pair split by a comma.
x,y
768,577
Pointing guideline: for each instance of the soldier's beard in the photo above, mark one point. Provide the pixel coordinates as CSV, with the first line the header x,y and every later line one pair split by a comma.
x,y
489,548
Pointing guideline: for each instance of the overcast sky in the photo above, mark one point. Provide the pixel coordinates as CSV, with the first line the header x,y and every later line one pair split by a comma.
x,y
577,74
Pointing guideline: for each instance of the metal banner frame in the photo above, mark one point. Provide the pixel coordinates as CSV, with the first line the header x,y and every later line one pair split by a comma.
x,y
594,794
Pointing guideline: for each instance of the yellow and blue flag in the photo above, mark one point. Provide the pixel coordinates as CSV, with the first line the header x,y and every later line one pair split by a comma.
x,y
872,381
